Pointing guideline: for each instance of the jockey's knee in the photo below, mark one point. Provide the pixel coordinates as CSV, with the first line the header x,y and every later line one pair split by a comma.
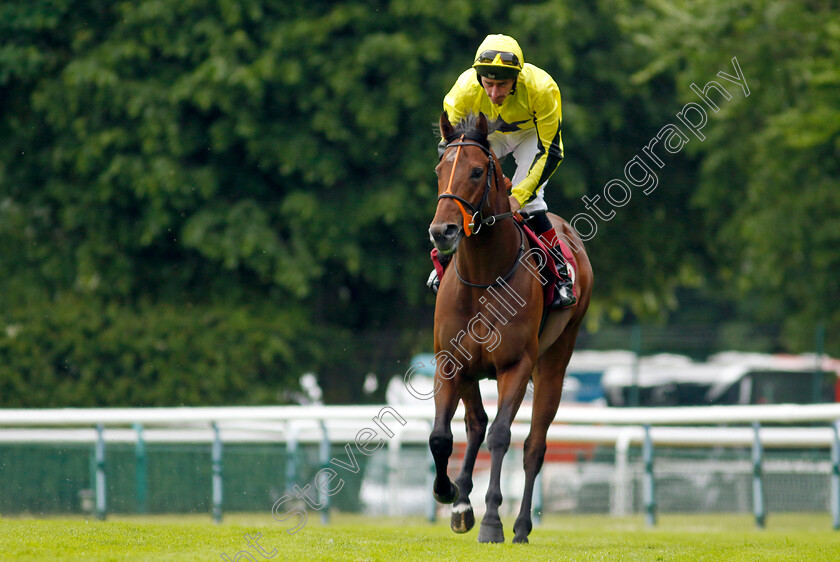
x,y
539,223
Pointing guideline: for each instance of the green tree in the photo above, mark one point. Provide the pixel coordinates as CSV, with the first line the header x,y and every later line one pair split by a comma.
x,y
251,182
767,186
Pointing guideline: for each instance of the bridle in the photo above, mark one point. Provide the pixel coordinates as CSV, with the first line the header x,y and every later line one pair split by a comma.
x,y
476,219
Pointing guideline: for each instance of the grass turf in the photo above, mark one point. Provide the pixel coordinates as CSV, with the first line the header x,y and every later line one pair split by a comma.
x,y
179,538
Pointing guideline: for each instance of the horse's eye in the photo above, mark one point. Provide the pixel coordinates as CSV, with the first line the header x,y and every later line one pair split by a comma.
x,y
476,173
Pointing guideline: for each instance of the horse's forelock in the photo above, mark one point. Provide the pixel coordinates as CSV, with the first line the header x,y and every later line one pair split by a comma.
x,y
468,127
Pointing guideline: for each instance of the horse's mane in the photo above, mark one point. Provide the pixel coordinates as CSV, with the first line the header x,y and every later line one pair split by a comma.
x,y
468,127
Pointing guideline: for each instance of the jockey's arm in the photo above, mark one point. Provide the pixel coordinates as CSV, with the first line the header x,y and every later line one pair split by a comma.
x,y
548,121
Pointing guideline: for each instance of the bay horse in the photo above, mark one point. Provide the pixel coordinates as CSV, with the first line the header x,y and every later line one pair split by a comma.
x,y
489,322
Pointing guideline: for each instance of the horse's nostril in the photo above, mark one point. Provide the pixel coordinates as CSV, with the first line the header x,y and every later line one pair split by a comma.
x,y
442,233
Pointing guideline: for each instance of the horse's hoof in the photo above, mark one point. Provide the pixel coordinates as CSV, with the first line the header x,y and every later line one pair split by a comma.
x,y
450,497
492,532
521,530
520,540
463,518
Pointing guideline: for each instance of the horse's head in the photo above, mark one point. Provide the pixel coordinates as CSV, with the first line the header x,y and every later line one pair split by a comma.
x,y
466,173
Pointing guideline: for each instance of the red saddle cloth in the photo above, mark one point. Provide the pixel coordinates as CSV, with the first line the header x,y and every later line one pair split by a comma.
x,y
548,271
436,261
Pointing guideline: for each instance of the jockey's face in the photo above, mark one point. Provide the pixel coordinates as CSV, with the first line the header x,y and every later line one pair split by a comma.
x,y
497,90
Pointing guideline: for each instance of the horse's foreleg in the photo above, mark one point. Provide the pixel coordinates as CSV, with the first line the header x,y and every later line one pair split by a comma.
x,y
463,518
512,384
440,441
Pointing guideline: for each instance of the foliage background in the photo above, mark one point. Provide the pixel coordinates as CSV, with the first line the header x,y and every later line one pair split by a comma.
x,y
202,200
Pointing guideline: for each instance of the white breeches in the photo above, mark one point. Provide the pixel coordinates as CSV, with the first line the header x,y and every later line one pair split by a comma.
x,y
524,147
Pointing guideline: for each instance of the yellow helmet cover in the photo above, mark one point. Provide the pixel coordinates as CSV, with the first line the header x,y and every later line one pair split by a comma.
x,y
499,57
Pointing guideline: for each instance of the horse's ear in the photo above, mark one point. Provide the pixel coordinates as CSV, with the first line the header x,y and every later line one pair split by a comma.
x,y
446,129
482,125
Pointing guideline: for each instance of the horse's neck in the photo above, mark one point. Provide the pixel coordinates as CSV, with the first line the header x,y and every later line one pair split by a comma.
x,y
490,254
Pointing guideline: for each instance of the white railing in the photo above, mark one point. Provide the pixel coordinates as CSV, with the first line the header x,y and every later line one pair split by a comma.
x,y
395,425
775,413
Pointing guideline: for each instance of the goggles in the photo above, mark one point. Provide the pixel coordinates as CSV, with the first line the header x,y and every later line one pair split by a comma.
x,y
507,58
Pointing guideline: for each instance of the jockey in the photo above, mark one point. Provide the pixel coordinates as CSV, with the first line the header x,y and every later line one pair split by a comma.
x,y
522,105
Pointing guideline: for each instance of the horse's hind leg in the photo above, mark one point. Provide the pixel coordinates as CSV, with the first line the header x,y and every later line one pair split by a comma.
x,y
512,385
463,517
548,386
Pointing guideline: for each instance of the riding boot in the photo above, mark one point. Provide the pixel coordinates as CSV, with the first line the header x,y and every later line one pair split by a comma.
x,y
433,282
564,289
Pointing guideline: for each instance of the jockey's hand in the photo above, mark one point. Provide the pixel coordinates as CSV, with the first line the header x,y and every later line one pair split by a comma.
x,y
514,204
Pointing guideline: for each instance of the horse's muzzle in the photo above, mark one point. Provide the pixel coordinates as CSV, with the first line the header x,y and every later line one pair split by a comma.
x,y
445,237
